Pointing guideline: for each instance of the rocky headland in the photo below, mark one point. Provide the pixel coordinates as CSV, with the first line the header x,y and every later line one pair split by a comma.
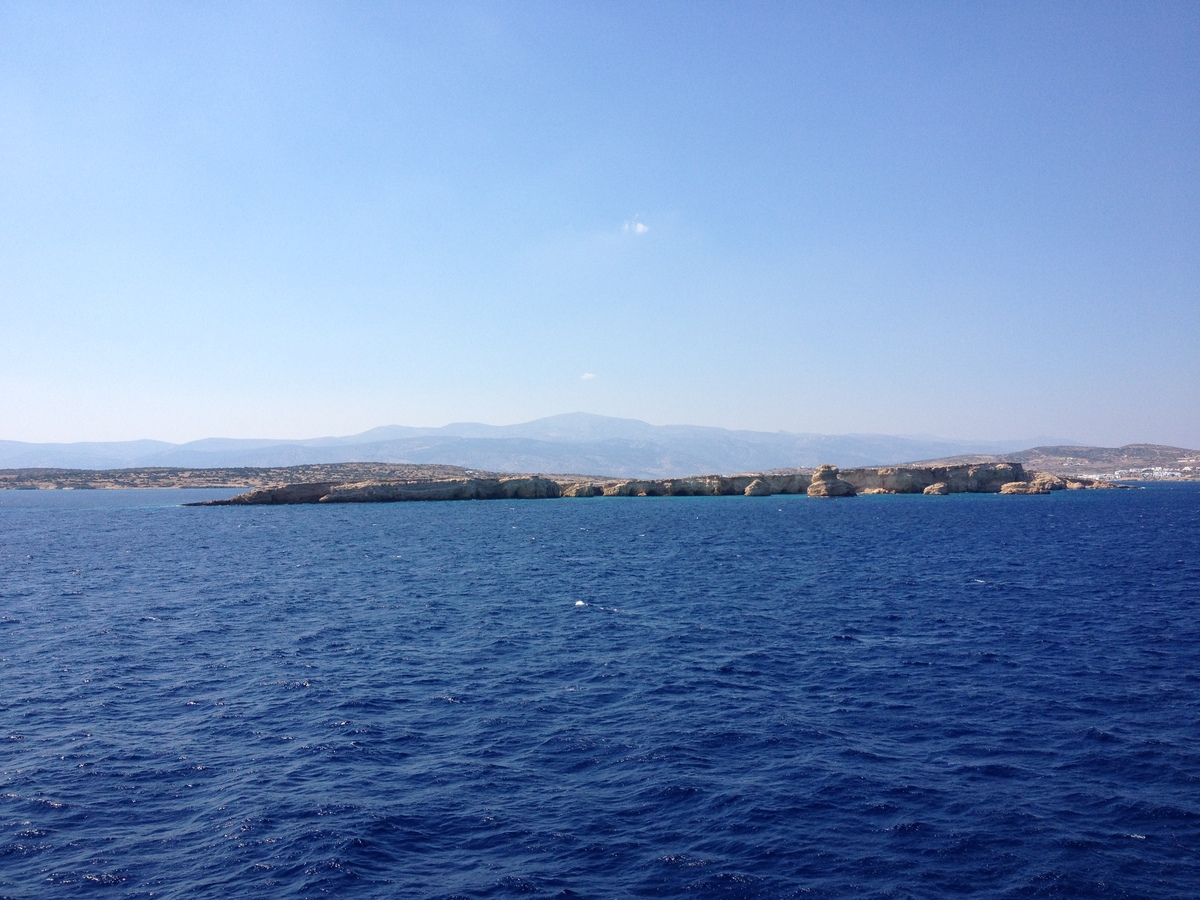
x,y
824,482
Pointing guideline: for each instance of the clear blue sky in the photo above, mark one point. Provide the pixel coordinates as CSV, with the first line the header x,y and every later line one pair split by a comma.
x,y
975,220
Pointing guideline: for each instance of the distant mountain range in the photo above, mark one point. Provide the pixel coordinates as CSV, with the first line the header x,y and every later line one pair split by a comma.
x,y
571,443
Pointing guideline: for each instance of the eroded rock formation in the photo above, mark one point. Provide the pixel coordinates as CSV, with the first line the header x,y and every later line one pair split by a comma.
x,y
709,486
826,483
522,487
984,478
1024,487
288,494
758,488
1049,482
583,489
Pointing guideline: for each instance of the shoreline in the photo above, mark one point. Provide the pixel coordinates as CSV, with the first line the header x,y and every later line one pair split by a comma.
x,y
826,481
387,482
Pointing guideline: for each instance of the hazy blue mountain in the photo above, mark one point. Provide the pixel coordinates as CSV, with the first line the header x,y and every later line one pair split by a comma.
x,y
84,455
574,442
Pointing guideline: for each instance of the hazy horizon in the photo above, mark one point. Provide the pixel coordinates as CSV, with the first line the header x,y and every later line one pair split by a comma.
x,y
284,221
1043,439
574,442
315,433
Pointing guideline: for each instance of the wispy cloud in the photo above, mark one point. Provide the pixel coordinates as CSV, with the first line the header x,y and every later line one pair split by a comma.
x,y
635,227
586,376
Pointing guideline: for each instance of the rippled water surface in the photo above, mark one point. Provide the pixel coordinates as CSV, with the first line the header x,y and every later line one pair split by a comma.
x,y
733,697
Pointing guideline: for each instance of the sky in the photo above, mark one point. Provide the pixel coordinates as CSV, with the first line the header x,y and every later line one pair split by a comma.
x,y
291,219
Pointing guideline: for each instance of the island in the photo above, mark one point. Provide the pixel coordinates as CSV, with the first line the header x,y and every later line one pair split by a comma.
x,y
826,481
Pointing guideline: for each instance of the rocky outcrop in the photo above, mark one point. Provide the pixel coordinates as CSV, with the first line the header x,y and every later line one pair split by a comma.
x,y
532,488
280,496
635,489
519,488
708,486
983,478
392,492
1024,487
758,488
826,483
583,489
523,487
1049,482
1081,484
1046,482
796,483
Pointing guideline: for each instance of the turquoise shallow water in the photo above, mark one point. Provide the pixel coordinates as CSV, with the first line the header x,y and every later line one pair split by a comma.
x,y
734,697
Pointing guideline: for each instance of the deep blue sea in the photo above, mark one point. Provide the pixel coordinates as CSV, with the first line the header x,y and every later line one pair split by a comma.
x,y
894,696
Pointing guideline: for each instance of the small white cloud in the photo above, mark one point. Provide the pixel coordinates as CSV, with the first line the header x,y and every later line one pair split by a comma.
x,y
636,227
586,376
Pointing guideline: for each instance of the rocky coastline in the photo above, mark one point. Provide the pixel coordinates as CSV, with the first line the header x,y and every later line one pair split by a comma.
x,y
827,481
